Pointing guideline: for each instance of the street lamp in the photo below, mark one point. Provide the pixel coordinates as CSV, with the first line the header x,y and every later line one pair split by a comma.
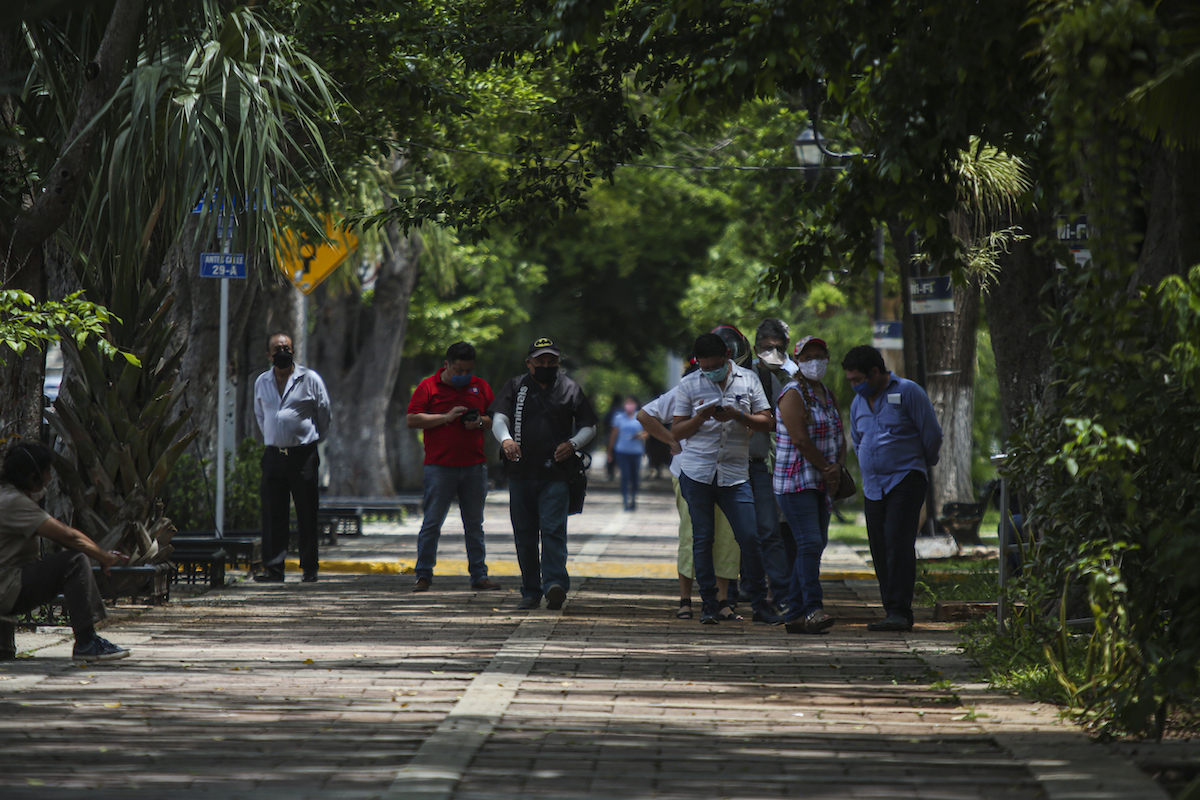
x,y
809,151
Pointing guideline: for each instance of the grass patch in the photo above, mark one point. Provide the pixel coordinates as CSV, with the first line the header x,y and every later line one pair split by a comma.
x,y
957,579
849,532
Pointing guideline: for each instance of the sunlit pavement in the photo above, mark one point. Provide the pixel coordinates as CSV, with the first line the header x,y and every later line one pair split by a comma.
x,y
355,687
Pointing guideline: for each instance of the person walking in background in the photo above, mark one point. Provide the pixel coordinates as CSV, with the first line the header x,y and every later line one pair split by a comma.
x,y
627,445
293,413
716,408
655,417
451,406
897,439
810,452
541,419
27,580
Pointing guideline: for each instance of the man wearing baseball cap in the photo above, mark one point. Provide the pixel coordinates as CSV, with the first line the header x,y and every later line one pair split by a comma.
x,y
541,419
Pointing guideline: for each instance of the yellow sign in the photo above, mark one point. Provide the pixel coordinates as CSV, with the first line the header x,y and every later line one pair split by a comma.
x,y
306,263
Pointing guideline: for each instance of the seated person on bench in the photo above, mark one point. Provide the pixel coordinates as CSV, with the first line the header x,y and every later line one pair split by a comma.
x,y
27,580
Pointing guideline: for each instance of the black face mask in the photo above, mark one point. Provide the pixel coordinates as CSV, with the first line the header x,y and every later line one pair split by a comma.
x,y
545,375
282,359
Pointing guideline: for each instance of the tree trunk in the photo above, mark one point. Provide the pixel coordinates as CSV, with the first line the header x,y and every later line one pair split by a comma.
x,y
950,378
1014,303
197,313
1172,238
356,348
406,453
24,236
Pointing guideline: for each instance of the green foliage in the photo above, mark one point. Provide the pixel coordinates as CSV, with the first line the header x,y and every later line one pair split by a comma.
x,y
973,581
25,322
188,499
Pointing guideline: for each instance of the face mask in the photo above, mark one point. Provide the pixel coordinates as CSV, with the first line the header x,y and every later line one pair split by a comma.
x,y
814,370
282,359
545,375
461,381
772,357
717,375
38,495
863,390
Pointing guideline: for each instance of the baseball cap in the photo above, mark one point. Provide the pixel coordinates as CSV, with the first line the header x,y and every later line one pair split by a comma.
x,y
808,340
543,345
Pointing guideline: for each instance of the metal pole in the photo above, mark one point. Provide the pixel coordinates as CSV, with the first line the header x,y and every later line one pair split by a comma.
x,y
222,379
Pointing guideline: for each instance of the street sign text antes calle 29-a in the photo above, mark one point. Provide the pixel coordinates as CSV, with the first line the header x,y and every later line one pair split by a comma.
x,y
222,265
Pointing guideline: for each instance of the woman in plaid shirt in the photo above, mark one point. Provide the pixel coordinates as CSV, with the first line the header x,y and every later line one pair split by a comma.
x,y
809,454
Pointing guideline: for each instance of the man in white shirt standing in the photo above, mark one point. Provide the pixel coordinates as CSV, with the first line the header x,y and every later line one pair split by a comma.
x,y
716,409
292,408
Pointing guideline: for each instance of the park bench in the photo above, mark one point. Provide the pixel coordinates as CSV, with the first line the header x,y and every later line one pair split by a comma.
x,y
199,561
962,520
389,507
242,546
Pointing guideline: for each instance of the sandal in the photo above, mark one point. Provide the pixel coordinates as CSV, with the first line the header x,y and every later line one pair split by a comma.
x,y
725,613
685,610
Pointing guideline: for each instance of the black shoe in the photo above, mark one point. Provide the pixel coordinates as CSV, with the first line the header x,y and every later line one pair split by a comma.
x,y
309,577
892,622
270,576
529,603
765,616
818,621
555,596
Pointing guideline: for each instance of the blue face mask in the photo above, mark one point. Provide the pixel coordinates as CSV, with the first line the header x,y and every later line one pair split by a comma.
x,y
863,390
717,375
461,381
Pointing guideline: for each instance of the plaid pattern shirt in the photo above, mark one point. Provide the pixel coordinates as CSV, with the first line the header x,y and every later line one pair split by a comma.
x,y
793,472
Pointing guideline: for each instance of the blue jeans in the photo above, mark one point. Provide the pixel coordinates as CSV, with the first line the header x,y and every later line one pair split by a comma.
x,y
630,465
808,516
538,509
468,485
766,512
738,504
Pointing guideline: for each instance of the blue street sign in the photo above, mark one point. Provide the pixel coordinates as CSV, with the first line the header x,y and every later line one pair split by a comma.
x,y
889,335
222,265
931,295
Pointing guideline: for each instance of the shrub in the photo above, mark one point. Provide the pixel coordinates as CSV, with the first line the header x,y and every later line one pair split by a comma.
x,y
190,495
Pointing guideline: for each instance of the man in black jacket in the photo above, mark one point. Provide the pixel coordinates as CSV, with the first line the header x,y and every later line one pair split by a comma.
x,y
541,419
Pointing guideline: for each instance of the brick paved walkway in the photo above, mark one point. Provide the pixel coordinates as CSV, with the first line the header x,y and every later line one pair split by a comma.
x,y
356,688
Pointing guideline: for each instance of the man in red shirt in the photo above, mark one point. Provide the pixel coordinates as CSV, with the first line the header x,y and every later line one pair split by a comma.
x,y
451,407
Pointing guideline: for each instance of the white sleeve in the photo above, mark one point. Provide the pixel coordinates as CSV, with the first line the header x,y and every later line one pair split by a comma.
x,y
583,436
500,428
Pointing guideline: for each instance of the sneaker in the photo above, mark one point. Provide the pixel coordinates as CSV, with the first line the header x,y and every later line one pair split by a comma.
x,y
708,615
98,649
422,585
555,596
485,585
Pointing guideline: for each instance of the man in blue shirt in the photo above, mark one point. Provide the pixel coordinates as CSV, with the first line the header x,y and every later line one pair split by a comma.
x,y
897,438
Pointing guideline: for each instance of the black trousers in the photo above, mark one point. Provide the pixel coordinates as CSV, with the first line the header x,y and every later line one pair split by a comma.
x,y
68,573
892,526
290,477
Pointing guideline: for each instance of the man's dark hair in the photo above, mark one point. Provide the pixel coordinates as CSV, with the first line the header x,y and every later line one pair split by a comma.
x,y
24,464
460,351
708,345
771,328
277,334
862,358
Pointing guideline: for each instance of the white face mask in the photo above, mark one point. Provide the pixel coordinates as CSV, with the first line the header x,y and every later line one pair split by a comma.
x,y
38,495
814,370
